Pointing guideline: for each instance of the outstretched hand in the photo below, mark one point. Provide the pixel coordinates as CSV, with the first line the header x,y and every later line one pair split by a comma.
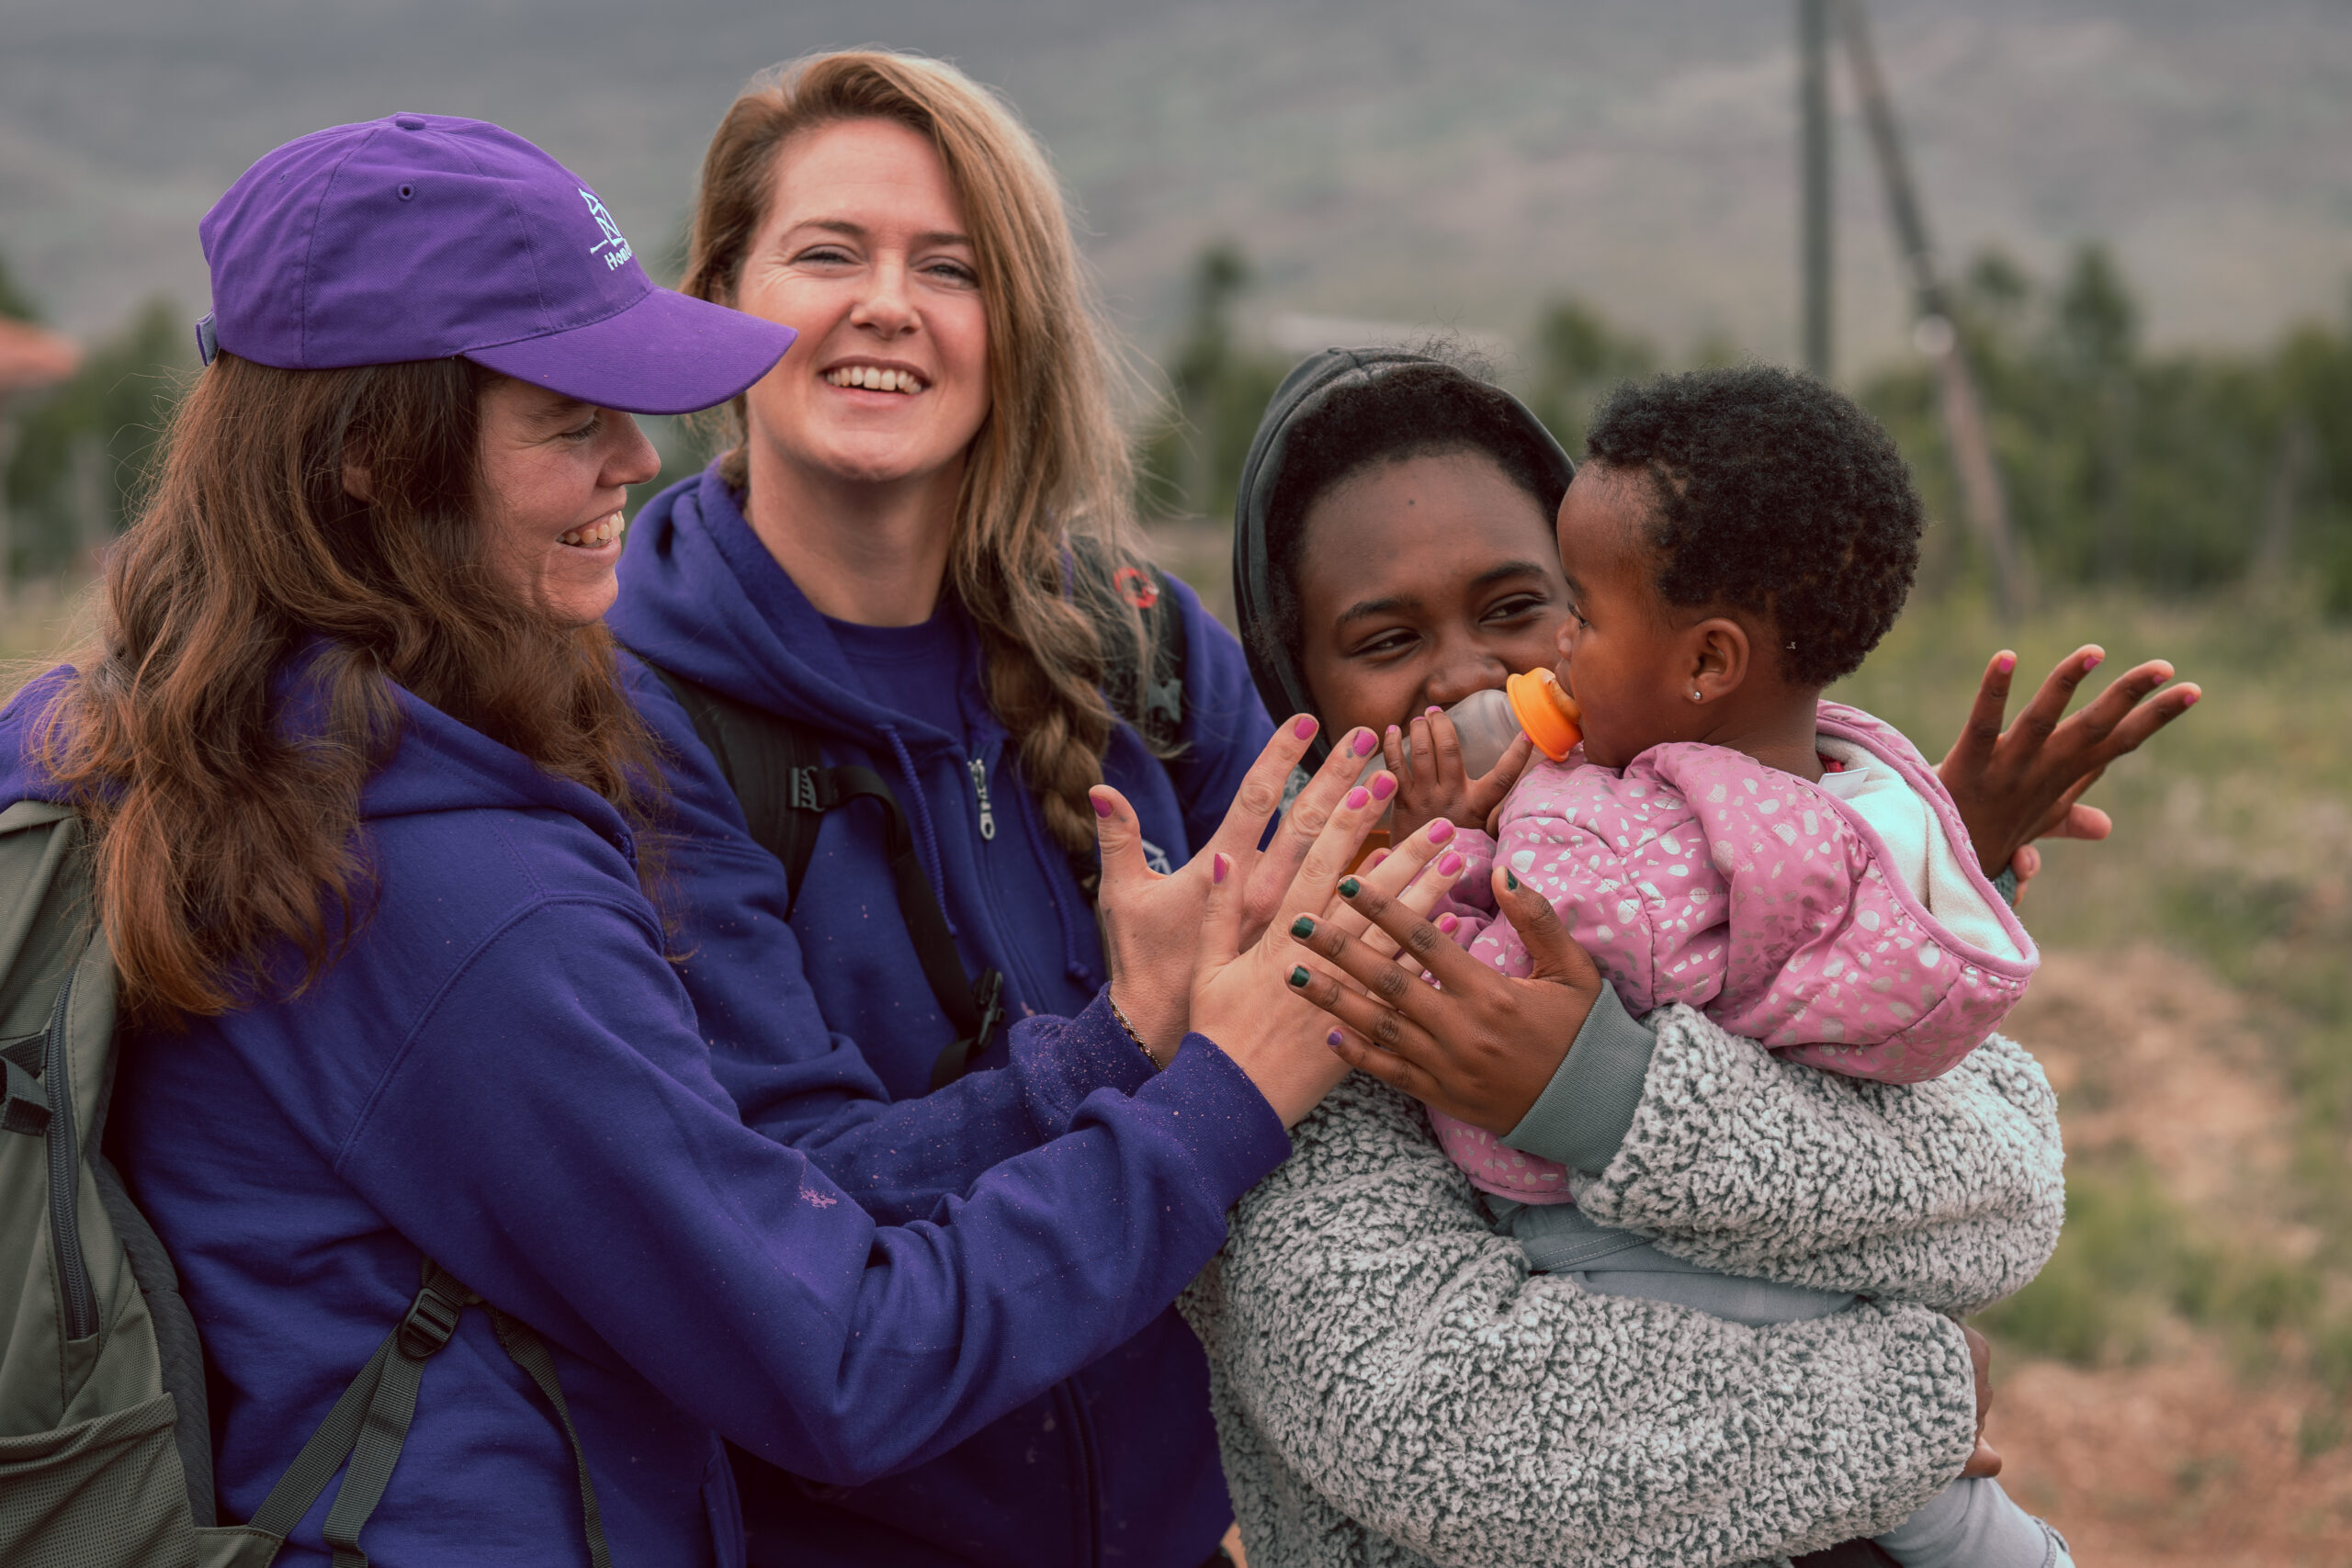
x,y
1485,1046
2026,781
1246,997
1151,921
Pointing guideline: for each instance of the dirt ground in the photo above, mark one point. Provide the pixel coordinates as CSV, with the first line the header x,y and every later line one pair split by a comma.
x,y
2187,1457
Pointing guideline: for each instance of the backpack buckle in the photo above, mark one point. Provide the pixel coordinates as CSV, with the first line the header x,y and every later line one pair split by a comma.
x,y
25,1107
802,789
432,1319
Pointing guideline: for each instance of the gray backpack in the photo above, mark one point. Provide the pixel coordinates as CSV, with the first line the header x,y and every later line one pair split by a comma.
x,y
105,1450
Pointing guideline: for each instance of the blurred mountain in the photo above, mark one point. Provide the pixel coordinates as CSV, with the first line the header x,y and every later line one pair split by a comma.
x,y
1451,163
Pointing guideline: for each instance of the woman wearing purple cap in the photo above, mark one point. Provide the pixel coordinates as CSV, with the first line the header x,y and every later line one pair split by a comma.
x,y
371,815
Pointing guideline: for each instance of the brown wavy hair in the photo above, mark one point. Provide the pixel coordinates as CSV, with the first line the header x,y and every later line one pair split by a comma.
x,y
225,829
1048,480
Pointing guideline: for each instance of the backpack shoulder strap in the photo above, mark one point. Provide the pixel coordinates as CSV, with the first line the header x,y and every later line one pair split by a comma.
x,y
770,764
779,778
369,1423
1154,696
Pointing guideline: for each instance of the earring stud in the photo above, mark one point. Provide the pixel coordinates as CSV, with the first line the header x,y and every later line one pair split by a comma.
x,y
1697,697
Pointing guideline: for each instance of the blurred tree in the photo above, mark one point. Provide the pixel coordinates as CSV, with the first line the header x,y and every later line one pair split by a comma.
x,y
82,453
1579,355
1190,460
2095,325
2175,470
15,303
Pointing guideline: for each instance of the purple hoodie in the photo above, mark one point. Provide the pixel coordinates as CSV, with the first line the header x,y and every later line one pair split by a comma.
x,y
504,1072
814,1025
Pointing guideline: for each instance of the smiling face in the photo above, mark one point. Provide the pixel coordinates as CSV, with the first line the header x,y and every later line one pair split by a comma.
x,y
554,472
1421,582
863,248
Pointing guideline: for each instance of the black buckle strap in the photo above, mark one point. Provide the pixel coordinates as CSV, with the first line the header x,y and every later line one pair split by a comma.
x,y
432,1319
987,1002
369,1423
25,1108
803,788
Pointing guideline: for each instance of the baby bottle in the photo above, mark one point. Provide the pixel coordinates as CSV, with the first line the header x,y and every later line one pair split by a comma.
x,y
1490,720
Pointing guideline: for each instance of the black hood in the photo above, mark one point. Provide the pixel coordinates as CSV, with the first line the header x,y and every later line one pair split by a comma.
x,y
1280,683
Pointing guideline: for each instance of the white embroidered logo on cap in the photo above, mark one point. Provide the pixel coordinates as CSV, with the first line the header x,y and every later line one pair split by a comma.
x,y
615,246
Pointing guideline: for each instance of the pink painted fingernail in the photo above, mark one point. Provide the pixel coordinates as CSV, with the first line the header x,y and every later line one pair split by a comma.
x,y
1365,741
1219,865
1440,830
2006,663
1449,864
1334,1040
2191,700
1383,785
1357,800
1432,711
1101,806
1304,727
1447,922
2093,662
1394,730
1377,856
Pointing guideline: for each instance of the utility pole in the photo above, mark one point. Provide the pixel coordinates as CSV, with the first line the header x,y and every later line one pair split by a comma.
x,y
1817,259
1982,496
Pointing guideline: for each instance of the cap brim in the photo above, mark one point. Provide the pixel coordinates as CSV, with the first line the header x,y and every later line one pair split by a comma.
x,y
666,354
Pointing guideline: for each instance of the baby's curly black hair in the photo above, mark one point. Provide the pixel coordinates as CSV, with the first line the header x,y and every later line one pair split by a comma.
x,y
1774,494
1414,411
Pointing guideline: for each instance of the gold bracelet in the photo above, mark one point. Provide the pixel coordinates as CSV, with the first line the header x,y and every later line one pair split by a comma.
x,y
1158,1066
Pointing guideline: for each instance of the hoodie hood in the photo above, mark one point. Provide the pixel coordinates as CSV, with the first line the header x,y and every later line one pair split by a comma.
x,y
1281,684
703,598
438,765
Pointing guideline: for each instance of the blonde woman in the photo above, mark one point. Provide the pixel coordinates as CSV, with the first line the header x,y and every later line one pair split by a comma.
x,y
914,562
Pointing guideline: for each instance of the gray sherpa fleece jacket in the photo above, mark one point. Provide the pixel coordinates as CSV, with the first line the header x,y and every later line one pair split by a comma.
x,y
1392,1388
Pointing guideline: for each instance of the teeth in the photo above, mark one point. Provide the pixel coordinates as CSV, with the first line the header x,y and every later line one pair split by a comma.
x,y
600,533
874,378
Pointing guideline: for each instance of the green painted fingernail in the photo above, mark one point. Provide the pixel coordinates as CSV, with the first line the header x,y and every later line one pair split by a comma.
x,y
1350,887
1298,977
1302,928
1510,882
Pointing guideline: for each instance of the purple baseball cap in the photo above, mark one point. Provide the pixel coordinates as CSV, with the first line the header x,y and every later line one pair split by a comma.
x,y
426,237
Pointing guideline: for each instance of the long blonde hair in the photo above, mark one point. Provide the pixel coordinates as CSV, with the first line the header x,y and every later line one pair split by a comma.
x,y
1047,480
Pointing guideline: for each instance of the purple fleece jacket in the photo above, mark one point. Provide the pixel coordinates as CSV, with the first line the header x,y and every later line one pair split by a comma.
x,y
504,1072
824,1031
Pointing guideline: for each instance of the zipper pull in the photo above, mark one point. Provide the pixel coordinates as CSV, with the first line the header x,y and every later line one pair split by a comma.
x,y
980,789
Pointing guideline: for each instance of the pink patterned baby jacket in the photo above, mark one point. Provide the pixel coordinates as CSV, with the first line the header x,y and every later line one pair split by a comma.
x,y
1846,924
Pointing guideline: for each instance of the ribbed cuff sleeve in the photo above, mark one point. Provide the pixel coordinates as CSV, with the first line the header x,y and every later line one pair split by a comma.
x,y
1584,1113
1218,1113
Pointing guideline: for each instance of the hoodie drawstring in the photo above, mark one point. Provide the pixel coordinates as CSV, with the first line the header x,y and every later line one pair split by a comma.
x,y
926,835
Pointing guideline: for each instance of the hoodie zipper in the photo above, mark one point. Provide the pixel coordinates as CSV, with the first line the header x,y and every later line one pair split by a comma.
x,y
978,768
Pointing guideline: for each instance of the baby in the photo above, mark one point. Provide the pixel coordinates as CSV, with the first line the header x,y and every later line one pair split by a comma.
x,y
1726,839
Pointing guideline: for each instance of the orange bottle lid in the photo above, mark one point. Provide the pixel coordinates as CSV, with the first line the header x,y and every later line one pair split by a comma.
x,y
1548,714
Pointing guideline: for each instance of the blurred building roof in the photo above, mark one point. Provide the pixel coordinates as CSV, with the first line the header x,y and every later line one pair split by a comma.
x,y
32,356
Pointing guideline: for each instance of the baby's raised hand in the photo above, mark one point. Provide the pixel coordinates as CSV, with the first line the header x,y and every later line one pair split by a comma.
x,y
1433,783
